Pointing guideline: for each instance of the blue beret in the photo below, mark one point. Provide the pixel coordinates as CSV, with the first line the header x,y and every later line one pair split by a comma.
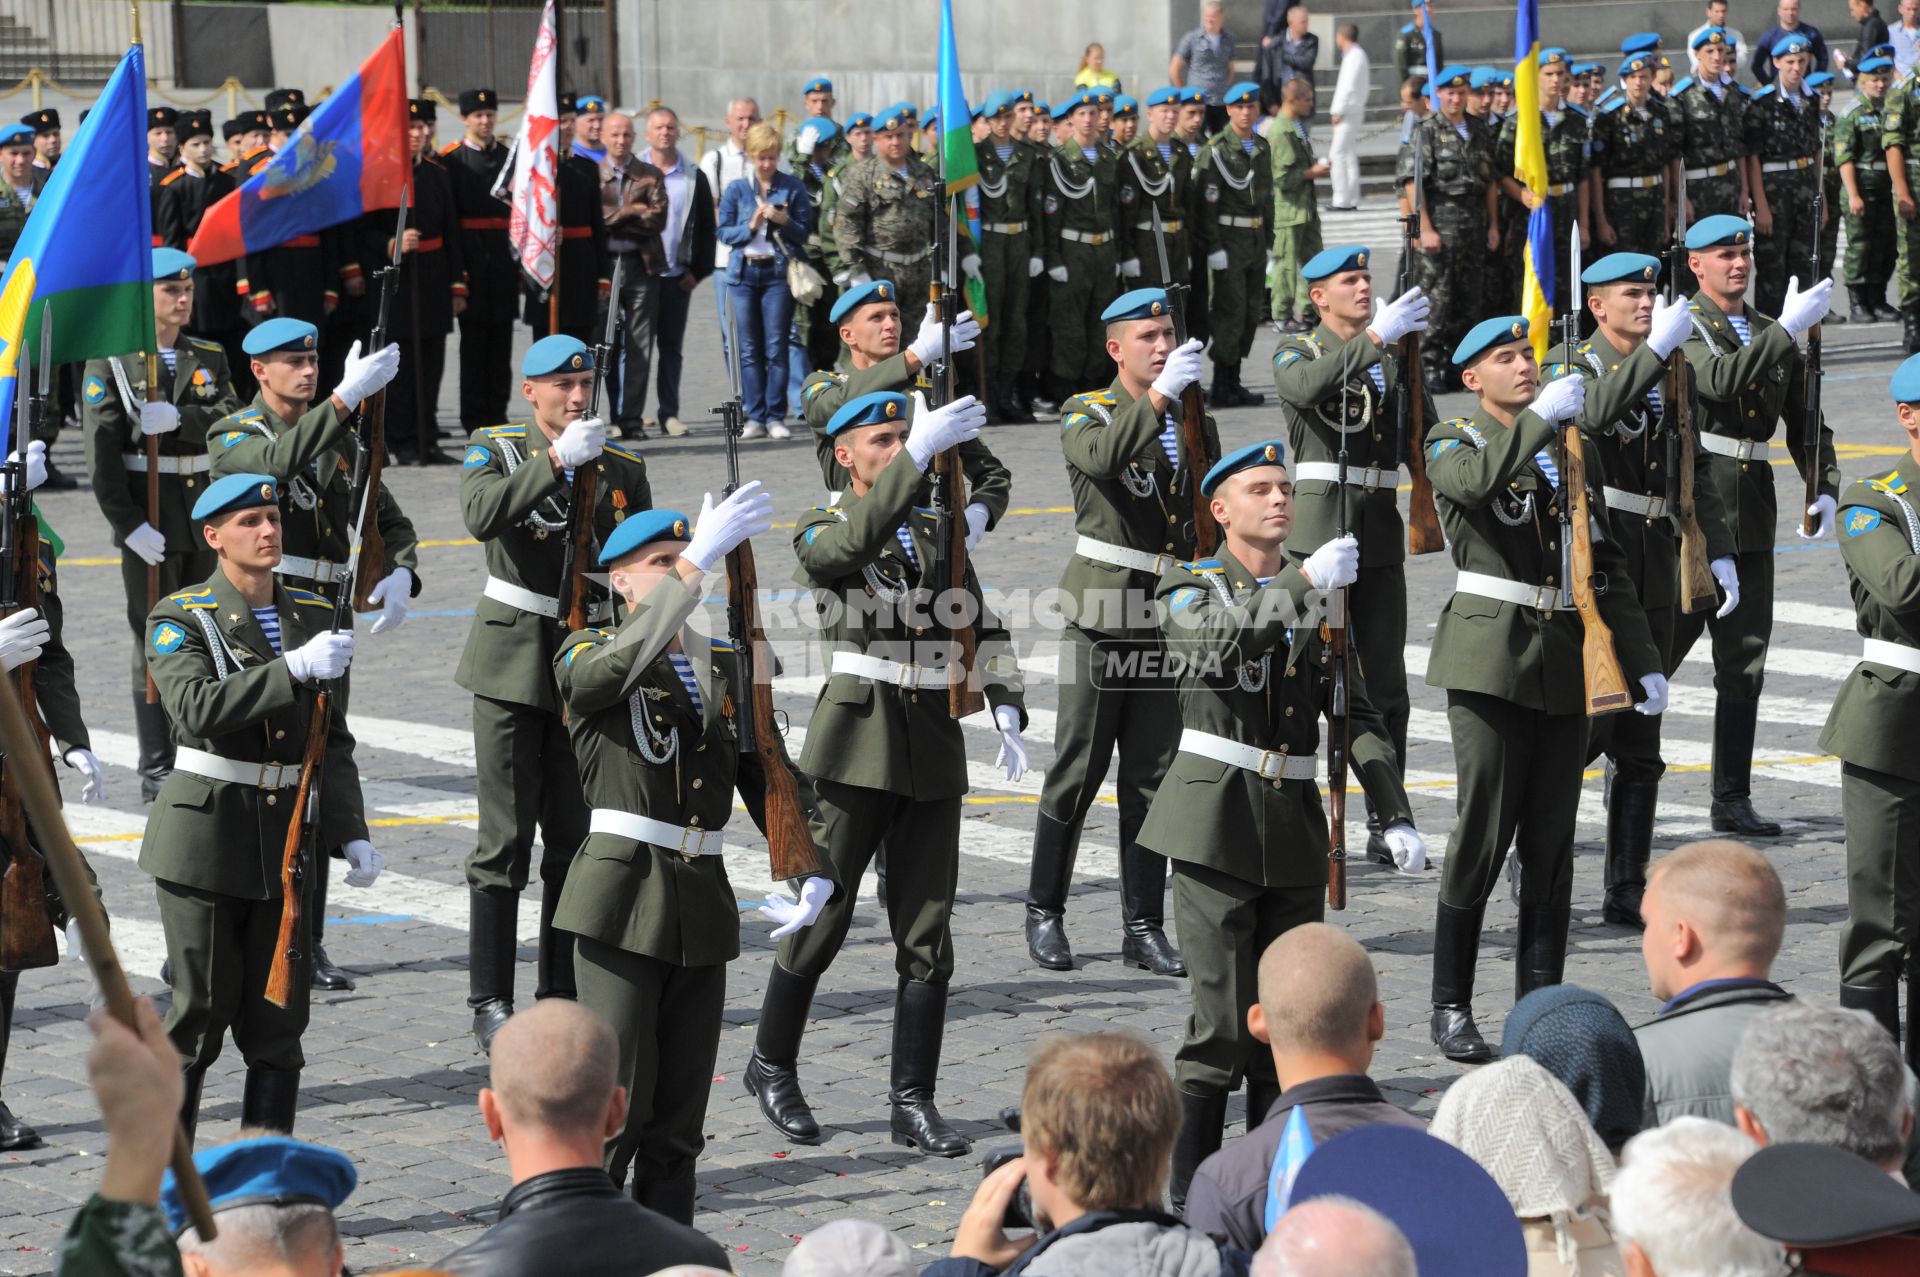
x,y
1877,51
1549,57
1061,110
897,114
1720,229
973,113
590,104
1098,94
281,334
1791,43
869,410
1638,62
1622,268
1195,96
1022,95
818,84
1141,303
1488,333
1905,386
1040,105
1269,452
236,492
1332,261
932,117
1583,68
998,103
1482,78
1640,42
1820,79
270,1171
859,120
171,263
1163,95
1872,66
1503,79
639,529
1125,107
1241,94
1710,35
556,354
11,134
874,290
1454,77
820,129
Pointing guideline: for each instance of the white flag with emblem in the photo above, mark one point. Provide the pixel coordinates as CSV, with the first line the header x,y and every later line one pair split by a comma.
x,y
534,226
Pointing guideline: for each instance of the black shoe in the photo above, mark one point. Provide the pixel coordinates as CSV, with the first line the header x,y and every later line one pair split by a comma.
x,y
434,457
1055,843
1203,1119
1017,411
192,1081
1862,308
1737,816
1047,940
1220,393
1883,1001
488,1019
1630,811
403,457
919,1024
1247,398
1378,853
491,942
777,1087
1910,329
270,1098
1540,951
327,976
1146,946
14,1133
1456,950
1045,405
1881,310
1458,1037
773,1075
57,482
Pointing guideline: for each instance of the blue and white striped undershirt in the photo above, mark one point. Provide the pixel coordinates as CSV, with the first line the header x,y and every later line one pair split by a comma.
x,y
906,544
269,619
1004,152
170,358
683,666
1170,441
1545,462
1741,326
1654,401
1377,375
1166,151
1091,152
1246,144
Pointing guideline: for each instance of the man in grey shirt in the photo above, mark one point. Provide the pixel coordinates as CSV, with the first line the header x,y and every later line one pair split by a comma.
x,y
1204,59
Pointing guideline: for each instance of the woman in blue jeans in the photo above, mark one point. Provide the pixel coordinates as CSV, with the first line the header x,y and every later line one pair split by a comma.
x,y
765,218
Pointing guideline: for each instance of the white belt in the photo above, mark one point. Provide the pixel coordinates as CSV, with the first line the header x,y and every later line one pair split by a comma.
x,y
1633,183
1871,166
1095,238
214,767
1242,223
893,673
199,463
319,571
1711,170
1556,189
1545,598
1268,764
1898,655
539,604
902,259
655,833
1123,556
1743,449
1004,228
1369,477
1171,228
1787,166
1633,503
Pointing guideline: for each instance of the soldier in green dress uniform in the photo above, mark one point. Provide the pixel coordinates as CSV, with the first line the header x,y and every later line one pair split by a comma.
x,y
1871,729
884,213
1233,200
1010,181
1080,199
1458,225
651,709
887,759
1631,156
516,485
234,659
1508,654
1296,206
1750,377
1860,159
1133,518
1239,813
1783,140
1156,173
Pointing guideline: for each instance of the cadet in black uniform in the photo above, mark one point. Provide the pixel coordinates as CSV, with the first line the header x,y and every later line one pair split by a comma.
x,y
583,277
493,273
432,289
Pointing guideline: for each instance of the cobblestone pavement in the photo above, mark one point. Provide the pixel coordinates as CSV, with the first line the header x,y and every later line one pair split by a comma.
x,y
392,1076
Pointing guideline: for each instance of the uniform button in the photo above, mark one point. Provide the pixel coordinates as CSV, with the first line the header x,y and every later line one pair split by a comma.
x,y
1289,711
280,735
1549,580
1276,784
272,799
920,630
1169,545
1750,412
914,697
695,822
697,782
1173,518
658,719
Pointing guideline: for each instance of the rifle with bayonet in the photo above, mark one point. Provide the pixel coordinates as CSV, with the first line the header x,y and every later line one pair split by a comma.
x,y
947,579
576,551
1810,425
1193,413
1696,577
1333,632
371,426
1410,410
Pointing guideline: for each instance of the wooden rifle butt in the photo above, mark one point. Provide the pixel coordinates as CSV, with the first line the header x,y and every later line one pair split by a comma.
x,y
1424,535
26,920
287,944
1193,436
1606,682
577,614
373,546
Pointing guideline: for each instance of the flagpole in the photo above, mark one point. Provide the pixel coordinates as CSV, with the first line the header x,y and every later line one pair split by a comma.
x,y
560,230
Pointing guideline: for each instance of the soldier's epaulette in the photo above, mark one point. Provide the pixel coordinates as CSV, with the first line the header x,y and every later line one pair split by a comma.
x,y
172,177
1890,482
1763,92
451,147
1577,109
308,597
819,383
926,512
1611,105
721,645
823,509
1105,398
1681,87
1204,566
201,598
599,637
504,432
620,451
203,344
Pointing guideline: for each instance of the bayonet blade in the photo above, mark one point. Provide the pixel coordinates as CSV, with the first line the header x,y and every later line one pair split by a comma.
x,y
1160,242
46,345
400,225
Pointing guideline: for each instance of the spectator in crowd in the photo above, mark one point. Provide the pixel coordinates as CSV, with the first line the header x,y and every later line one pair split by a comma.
x,y
1715,917
1806,1074
1266,62
1904,36
1319,1013
1873,32
1787,15
1348,111
1335,1237
1527,1129
724,165
1583,1040
764,218
551,1106
1414,105
1298,52
687,253
1093,73
633,199
1098,1119
1716,17
273,1199
850,1248
1672,1205
1204,59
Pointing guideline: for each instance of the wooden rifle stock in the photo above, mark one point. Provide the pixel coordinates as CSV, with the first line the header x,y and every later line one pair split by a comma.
x,y
1810,522
1423,516
574,612
1193,438
373,546
1697,590
288,944
1338,740
964,696
26,919
1606,682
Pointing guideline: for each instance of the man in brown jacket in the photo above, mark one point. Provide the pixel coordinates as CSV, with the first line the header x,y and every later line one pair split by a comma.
x,y
633,199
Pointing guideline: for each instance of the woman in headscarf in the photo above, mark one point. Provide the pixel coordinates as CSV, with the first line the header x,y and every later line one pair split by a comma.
x,y
1582,1039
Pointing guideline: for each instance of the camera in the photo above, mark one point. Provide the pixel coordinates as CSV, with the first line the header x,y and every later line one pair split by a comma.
x,y
1019,1213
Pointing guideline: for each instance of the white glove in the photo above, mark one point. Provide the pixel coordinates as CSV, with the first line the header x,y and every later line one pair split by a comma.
x,y
394,594
1671,325
1057,274
1801,311
158,418
1656,688
970,265
860,279
1184,366
1334,565
364,374
791,914
76,952
1823,508
22,635
1405,314
580,442
1217,259
937,429
363,863
930,343
1034,266
1013,750
976,524
1729,579
149,543
1408,847
1561,400
36,463
95,776
1130,268
323,656
746,513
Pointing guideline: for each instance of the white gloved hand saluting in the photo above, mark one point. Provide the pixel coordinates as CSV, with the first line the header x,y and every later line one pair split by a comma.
x,y
159,418
937,429
977,517
1034,266
1822,509
1405,314
1058,274
36,463
92,774
1801,311
1560,400
363,863
1217,259
1656,689
1729,579
580,442
364,374
1185,365
323,656
1671,325
746,513
930,343
791,914
148,544
1408,847
1335,565
22,635
393,595
1013,750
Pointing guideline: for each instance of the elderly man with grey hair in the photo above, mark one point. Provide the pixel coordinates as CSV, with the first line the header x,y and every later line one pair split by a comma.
x,y
1334,1237
1806,1074
1673,1205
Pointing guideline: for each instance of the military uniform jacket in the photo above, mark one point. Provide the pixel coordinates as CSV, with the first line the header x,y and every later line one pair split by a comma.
x,y
1254,677
1307,375
1777,131
516,503
1900,119
200,387
1631,141
14,211
1710,128
1458,168
1125,493
1292,153
1500,515
433,274
865,732
1871,724
1744,391
1569,153
183,199
309,459
493,273
1858,139
1149,180
225,692
1080,195
1233,193
54,687
880,211
1010,188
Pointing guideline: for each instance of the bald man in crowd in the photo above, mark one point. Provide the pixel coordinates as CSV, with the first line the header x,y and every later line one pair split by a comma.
x,y
1335,1237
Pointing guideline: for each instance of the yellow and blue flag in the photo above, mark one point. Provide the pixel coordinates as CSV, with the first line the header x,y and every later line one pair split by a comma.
x,y
959,166
1530,168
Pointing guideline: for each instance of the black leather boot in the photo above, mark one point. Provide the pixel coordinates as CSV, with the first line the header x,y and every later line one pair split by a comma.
x,y
490,959
1261,1096
1054,845
1734,724
773,1072
1456,949
1220,394
1910,329
554,972
1143,910
1877,296
1862,308
325,974
193,1080
14,1133
270,1098
1014,401
1540,956
1629,846
670,1197
1378,853
919,1025
1883,1001
1248,398
156,745
1203,1119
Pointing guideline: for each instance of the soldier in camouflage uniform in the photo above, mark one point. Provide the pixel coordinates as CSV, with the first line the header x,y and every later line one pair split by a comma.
x,y
1783,141
1833,206
16,202
1010,176
1296,210
1410,50
1709,137
1565,131
1630,160
1233,177
1456,219
1860,157
1081,198
818,95
1900,123
883,219
816,144
1156,172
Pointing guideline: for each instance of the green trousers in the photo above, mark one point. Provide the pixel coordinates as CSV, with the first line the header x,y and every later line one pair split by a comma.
x,y
1377,602
1880,941
1906,243
219,950
1235,310
1519,786
1104,707
1870,236
1293,246
1741,637
180,570
1004,262
528,780
1079,347
1631,741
